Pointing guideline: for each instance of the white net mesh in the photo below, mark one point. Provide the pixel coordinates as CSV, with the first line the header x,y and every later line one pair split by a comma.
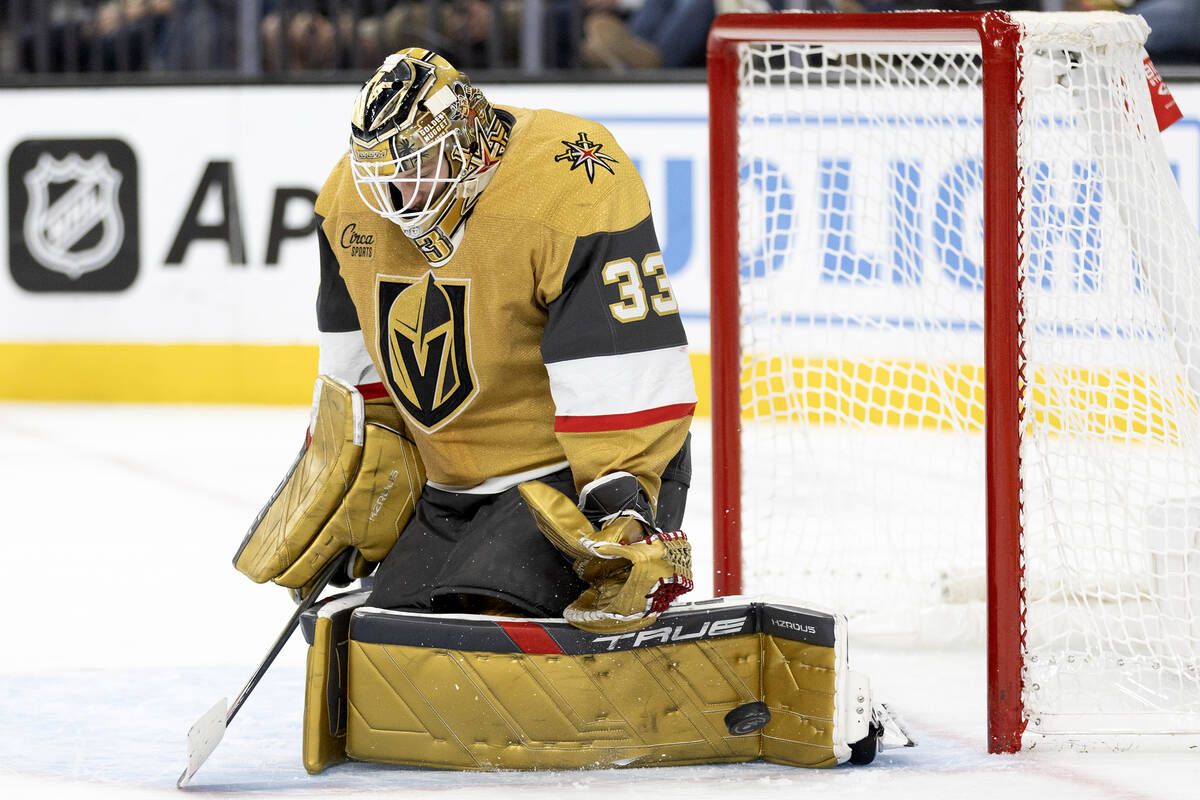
x,y
861,294
1111,450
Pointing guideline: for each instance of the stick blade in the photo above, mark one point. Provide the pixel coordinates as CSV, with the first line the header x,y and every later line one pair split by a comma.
x,y
202,739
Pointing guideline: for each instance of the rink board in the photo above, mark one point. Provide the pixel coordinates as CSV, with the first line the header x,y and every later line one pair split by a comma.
x,y
208,294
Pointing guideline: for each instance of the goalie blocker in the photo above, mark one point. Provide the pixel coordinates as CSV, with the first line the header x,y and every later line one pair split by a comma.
x,y
709,682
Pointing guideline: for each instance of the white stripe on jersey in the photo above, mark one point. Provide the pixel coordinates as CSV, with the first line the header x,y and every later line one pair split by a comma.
x,y
622,384
502,483
344,356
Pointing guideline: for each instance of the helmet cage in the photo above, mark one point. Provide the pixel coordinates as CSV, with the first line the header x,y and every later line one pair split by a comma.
x,y
408,182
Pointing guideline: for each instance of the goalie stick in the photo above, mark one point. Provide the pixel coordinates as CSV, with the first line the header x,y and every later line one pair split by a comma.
x,y
204,736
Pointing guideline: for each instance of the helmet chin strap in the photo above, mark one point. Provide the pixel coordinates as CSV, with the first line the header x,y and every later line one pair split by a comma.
x,y
470,188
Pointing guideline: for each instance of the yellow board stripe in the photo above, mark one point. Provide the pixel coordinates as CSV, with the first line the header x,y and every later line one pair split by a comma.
x,y
168,373
1110,403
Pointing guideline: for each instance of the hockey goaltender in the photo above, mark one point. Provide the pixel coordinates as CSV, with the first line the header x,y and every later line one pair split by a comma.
x,y
499,450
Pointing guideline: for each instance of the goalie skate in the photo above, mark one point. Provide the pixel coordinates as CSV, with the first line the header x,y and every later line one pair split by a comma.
x,y
893,730
886,731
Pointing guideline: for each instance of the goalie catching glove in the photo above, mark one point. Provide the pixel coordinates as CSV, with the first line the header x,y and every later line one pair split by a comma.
x,y
633,570
355,484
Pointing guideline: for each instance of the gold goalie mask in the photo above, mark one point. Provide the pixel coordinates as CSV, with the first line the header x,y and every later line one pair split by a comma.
x,y
422,145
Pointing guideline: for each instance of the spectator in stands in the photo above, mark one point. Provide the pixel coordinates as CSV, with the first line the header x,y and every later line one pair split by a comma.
x,y
130,33
468,33
295,36
1174,29
51,36
648,34
321,34
656,33
199,34
134,35
1174,25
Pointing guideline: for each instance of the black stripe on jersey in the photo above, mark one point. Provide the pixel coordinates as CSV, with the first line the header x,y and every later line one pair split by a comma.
x,y
335,309
582,322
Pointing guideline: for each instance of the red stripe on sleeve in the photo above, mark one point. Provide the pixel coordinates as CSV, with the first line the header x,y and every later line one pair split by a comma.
x,y
622,422
530,637
371,391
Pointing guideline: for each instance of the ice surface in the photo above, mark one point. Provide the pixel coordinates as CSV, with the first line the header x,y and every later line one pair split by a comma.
x,y
126,621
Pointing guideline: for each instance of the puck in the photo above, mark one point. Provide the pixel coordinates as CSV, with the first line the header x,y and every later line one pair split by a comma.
x,y
747,718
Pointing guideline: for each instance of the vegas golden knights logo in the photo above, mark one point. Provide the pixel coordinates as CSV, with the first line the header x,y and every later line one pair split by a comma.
x,y
424,346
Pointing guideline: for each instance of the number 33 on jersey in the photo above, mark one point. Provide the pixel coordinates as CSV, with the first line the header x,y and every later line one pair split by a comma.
x,y
628,276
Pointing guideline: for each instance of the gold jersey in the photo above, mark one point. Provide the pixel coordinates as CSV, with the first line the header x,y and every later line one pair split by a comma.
x,y
550,336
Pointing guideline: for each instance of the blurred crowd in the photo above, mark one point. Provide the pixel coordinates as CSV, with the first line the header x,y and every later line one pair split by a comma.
x,y
265,37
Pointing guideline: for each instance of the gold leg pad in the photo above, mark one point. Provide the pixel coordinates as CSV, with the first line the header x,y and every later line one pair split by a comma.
x,y
656,698
478,711
324,734
799,685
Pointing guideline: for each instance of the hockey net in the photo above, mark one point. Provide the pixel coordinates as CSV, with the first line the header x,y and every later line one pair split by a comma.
x,y
955,304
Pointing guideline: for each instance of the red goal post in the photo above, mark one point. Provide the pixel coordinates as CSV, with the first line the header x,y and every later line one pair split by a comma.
x,y
998,38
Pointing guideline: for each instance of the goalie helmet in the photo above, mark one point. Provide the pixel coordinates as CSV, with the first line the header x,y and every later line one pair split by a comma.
x,y
422,142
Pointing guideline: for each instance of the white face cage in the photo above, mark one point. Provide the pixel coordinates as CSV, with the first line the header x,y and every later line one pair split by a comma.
x,y
414,190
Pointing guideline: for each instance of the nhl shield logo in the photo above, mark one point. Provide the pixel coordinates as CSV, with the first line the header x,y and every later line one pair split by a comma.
x,y
87,201
73,215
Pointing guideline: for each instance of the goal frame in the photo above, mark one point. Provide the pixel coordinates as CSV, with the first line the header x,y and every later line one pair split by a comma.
x,y
998,37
